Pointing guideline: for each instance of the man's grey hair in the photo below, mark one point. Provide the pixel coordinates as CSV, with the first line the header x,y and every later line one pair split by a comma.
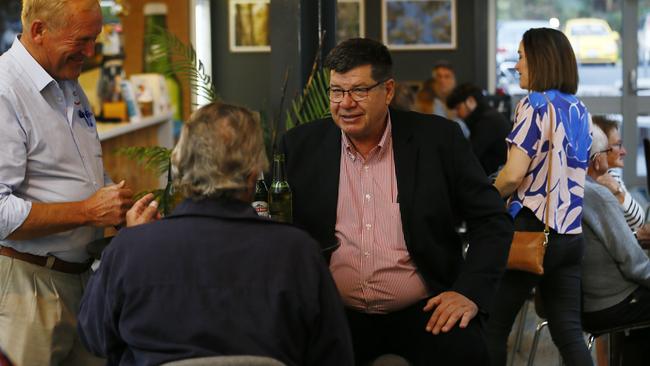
x,y
219,148
599,141
52,12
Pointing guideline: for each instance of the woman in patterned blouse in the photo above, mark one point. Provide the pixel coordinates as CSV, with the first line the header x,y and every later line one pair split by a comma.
x,y
548,69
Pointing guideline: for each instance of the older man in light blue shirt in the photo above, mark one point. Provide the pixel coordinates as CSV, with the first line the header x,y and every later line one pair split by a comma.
x,y
54,195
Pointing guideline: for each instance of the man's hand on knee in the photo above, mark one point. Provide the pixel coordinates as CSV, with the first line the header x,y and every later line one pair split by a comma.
x,y
449,307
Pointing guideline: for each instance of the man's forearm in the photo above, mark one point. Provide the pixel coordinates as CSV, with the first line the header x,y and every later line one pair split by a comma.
x,y
50,218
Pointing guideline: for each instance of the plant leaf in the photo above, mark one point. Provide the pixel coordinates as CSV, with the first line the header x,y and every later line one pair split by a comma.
x,y
154,158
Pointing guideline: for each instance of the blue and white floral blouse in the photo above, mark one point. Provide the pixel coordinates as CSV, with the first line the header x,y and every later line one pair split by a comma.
x,y
571,143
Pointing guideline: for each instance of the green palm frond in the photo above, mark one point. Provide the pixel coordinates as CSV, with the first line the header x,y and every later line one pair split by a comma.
x,y
185,63
154,158
313,103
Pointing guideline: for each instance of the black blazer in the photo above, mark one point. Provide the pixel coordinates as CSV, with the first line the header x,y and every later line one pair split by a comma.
x,y
440,183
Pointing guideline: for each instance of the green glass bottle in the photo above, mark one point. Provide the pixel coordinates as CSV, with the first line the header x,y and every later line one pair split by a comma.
x,y
261,198
280,198
157,61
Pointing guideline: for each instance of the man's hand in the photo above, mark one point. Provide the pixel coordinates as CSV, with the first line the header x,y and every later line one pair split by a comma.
x,y
143,211
449,307
108,206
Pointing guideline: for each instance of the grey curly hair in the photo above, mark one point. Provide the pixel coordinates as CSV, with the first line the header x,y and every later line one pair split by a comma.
x,y
219,148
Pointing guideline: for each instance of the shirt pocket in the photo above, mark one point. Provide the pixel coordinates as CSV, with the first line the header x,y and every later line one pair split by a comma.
x,y
389,225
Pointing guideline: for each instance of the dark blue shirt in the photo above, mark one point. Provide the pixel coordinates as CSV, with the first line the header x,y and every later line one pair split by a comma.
x,y
213,279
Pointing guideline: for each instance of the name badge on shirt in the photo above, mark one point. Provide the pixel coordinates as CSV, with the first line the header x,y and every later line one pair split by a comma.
x,y
87,116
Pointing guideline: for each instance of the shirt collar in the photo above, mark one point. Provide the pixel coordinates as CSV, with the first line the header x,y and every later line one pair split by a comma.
x,y
220,208
383,142
32,68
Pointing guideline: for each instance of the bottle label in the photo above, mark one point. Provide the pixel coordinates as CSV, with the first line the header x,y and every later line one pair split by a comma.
x,y
262,208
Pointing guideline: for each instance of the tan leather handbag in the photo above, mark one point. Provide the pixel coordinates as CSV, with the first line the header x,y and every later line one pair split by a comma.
x,y
528,247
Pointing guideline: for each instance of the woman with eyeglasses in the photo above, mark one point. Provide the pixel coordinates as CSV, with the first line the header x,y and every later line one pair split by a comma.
x,y
615,270
613,180
551,127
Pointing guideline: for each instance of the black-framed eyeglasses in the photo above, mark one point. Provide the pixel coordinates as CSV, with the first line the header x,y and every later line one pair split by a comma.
x,y
594,155
357,94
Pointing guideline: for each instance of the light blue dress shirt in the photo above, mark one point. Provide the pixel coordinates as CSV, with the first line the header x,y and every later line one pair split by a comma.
x,y
49,152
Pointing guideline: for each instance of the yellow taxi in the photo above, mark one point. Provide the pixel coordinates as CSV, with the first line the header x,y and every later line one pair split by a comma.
x,y
593,40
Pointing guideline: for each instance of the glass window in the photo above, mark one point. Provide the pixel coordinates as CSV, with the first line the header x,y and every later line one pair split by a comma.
x,y
592,27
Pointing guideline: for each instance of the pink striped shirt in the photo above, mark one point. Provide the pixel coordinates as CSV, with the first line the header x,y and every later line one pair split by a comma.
x,y
372,268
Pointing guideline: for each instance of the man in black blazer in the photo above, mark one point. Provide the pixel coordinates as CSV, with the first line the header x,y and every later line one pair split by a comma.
x,y
439,184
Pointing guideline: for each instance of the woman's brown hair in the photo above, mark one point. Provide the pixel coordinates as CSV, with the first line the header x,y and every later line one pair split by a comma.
x,y
551,61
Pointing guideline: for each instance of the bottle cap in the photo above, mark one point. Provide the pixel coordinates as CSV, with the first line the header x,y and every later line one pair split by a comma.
x,y
155,9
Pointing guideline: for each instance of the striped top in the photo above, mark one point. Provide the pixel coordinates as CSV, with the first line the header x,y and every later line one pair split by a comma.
x,y
372,268
571,143
634,213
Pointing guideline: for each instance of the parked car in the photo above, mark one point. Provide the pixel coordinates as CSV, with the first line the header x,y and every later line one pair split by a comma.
x,y
593,40
509,34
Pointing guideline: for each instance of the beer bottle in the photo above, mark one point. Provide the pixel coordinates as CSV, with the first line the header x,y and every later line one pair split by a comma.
x,y
261,198
280,201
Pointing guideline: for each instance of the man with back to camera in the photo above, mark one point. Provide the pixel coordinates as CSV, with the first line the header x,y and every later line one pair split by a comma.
x,y
233,283
488,128
388,188
54,195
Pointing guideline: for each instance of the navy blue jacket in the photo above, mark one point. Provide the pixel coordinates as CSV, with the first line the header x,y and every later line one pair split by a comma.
x,y
211,279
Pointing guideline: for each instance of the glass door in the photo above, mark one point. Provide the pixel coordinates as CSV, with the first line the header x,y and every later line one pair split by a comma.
x,y
640,90
609,40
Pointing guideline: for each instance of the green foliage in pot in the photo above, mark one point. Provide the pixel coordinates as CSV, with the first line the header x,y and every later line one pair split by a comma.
x,y
311,104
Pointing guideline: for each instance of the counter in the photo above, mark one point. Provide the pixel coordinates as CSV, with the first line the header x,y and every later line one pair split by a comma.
x,y
151,131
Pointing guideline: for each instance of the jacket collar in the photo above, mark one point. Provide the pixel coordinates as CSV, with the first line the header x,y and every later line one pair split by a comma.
x,y
218,208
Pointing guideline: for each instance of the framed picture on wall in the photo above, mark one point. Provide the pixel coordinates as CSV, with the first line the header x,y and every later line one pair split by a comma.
x,y
419,24
249,25
350,19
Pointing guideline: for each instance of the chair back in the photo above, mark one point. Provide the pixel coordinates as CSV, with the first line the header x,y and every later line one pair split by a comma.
x,y
227,361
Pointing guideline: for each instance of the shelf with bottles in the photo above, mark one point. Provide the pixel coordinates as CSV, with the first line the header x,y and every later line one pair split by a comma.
x,y
108,131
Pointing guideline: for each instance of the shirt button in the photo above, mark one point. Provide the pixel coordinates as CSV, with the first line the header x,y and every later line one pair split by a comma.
x,y
368,226
368,196
365,167
367,254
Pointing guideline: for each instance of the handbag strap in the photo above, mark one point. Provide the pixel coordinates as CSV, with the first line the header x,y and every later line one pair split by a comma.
x,y
551,112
